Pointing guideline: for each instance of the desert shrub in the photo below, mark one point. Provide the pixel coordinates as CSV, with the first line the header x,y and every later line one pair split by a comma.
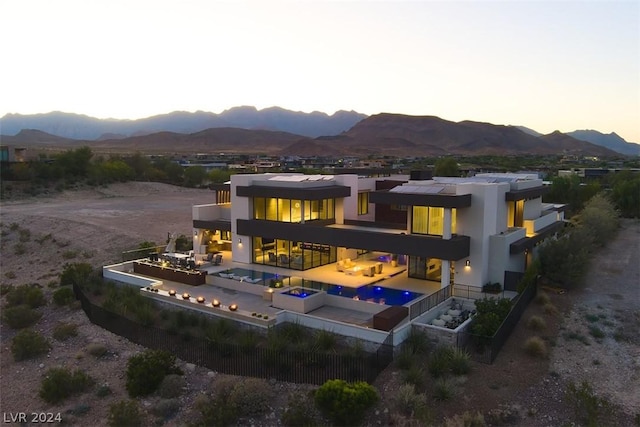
x,y
172,386
542,298
5,289
550,309
10,275
589,409
28,344
596,332
61,383
25,235
145,371
345,403
20,317
294,332
221,330
70,254
165,408
416,376
30,295
64,331
405,359
216,411
103,390
535,346
536,323
411,404
467,419
124,413
78,274
325,340
459,362
299,412
19,249
96,349
248,340
440,361
63,296
417,342
252,395
443,389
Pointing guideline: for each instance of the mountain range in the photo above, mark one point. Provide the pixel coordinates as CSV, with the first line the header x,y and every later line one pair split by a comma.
x,y
278,131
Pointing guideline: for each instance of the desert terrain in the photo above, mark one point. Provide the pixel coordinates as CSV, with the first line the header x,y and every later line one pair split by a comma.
x,y
95,225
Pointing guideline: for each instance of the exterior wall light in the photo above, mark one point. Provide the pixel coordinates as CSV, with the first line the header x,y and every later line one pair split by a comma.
x,y
467,263
239,241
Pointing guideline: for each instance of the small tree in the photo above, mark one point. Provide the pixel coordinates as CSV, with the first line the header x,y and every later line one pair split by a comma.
x,y
446,166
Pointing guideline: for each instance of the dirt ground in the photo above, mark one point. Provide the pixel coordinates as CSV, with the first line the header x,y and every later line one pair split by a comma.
x,y
593,335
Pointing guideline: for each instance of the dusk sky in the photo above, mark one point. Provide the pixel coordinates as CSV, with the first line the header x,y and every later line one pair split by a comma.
x,y
557,65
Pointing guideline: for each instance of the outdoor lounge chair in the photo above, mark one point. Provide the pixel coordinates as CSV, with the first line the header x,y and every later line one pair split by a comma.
x,y
217,259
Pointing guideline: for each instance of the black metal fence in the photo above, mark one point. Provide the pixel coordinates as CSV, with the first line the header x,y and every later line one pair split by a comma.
x,y
141,253
288,365
426,303
485,349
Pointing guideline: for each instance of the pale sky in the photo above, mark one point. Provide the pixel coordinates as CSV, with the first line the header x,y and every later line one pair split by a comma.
x,y
558,65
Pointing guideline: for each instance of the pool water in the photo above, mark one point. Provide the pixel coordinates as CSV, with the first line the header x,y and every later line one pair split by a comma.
x,y
368,293
242,272
300,293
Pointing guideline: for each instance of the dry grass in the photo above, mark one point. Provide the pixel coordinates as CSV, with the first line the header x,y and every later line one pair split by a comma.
x,y
536,347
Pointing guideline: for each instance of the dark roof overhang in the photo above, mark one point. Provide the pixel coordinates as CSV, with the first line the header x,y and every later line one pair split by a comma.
x,y
216,224
528,193
434,200
521,245
309,193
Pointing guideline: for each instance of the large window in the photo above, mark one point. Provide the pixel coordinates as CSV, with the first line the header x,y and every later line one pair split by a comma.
x,y
429,220
363,203
425,268
291,254
287,210
515,214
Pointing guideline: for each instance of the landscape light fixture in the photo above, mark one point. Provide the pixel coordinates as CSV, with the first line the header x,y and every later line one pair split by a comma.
x,y
233,307
186,295
200,300
172,292
215,303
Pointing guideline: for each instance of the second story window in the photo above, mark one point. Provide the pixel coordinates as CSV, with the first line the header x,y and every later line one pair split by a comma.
x,y
363,203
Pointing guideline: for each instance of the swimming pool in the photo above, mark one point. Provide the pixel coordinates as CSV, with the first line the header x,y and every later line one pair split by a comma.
x,y
369,293
256,277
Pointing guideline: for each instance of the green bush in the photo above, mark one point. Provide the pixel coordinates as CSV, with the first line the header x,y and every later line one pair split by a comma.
x,y
124,413
145,371
61,383
416,376
439,362
405,359
165,408
64,331
28,344
325,340
20,317
490,313
64,296
30,295
345,403
5,289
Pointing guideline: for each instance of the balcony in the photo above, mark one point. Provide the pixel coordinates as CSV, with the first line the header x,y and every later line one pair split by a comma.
x,y
533,226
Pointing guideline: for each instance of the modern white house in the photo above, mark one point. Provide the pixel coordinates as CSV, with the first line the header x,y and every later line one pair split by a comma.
x,y
452,231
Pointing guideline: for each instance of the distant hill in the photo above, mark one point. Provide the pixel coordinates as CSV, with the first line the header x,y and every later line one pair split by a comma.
x,y
528,130
90,128
381,134
612,141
